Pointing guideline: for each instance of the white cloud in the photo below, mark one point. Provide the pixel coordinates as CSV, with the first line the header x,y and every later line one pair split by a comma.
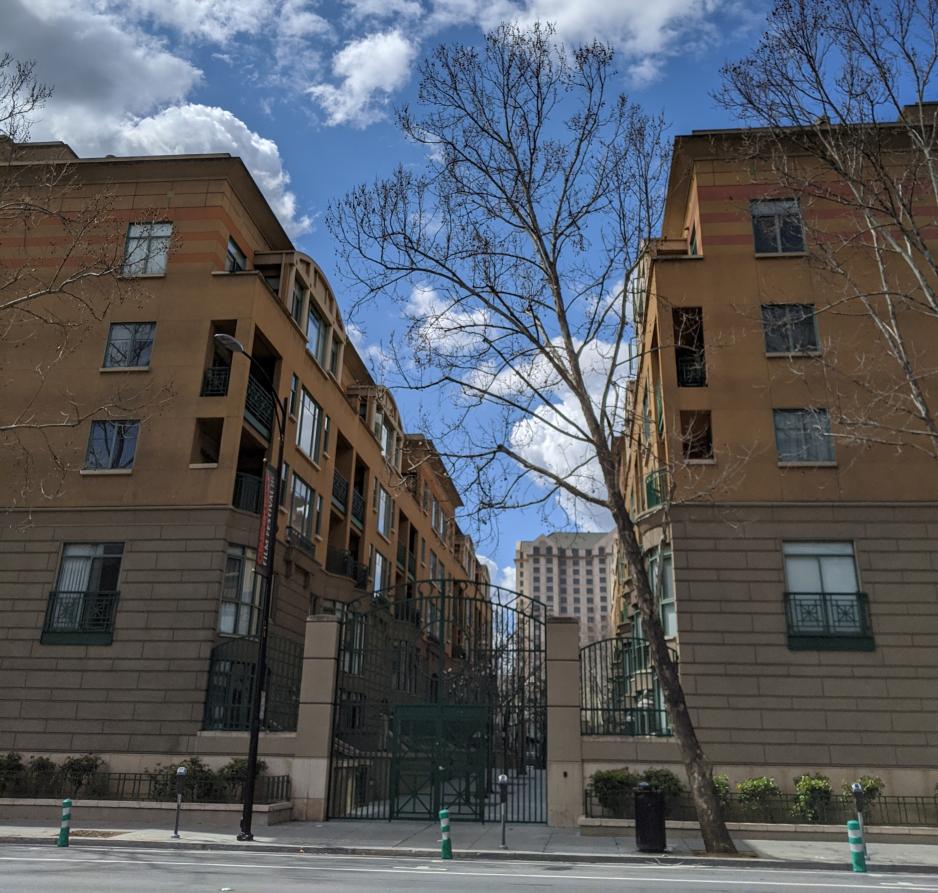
x,y
118,90
218,21
369,70
384,9
503,577
199,128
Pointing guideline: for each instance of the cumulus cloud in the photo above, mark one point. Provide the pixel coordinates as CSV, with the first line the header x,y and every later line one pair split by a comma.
x,y
218,21
368,70
118,90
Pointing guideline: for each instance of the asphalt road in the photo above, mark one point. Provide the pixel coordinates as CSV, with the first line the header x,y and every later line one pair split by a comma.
x,y
119,870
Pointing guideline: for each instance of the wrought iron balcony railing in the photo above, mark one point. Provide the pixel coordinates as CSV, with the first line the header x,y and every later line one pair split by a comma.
x,y
298,539
259,406
691,368
215,381
339,490
80,617
341,561
829,620
247,492
358,507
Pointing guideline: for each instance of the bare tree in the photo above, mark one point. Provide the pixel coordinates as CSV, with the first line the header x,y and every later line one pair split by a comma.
x,y
511,254
839,91
61,257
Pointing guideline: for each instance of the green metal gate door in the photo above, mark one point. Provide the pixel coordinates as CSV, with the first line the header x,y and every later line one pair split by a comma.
x,y
440,756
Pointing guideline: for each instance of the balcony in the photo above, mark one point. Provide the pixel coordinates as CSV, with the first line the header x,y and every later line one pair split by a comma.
x,y
691,369
215,381
401,556
79,618
829,621
259,407
339,491
248,491
341,561
358,508
298,539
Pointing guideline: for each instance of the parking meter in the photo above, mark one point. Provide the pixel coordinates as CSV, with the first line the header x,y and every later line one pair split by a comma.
x,y
503,799
181,773
859,798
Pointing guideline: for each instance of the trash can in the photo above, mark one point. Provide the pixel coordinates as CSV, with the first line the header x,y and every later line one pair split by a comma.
x,y
650,835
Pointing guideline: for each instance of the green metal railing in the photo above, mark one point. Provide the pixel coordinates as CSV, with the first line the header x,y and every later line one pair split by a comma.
x,y
829,619
82,617
619,692
215,381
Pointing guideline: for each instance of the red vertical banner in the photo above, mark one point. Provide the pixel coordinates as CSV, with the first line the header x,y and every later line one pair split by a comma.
x,y
266,533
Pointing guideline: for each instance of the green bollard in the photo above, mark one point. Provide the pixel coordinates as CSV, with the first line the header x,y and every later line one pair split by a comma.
x,y
446,845
857,850
66,823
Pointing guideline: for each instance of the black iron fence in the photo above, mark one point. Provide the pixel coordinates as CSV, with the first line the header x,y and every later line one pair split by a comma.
x,y
619,692
780,809
247,492
160,786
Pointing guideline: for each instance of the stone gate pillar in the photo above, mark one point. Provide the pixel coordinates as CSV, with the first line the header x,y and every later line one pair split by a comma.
x,y
309,776
564,752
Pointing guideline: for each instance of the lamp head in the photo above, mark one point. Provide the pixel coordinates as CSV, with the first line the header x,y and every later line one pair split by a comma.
x,y
229,342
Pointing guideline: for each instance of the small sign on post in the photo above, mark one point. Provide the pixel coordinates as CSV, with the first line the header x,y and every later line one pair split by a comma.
x,y
181,773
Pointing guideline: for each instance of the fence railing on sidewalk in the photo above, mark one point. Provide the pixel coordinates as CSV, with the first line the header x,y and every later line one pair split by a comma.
x,y
785,808
139,786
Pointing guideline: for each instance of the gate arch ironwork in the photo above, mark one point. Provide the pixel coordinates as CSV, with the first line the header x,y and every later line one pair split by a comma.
x,y
440,687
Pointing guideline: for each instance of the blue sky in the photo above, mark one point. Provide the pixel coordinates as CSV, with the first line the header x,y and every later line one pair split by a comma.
x,y
304,92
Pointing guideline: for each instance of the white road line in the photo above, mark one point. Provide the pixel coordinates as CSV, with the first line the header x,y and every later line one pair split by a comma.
x,y
455,873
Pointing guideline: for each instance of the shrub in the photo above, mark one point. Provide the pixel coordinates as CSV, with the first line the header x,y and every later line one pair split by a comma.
x,y
812,796
202,783
236,770
79,772
12,773
873,787
665,781
614,788
759,792
722,785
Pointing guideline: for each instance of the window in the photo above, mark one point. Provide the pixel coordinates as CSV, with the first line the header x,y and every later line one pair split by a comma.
x,y
384,505
660,565
692,249
326,431
147,249
301,508
334,356
385,435
240,596
81,609
824,606
789,328
689,352
284,484
296,304
381,572
317,527
235,259
294,395
776,226
437,518
309,429
129,345
696,434
112,444
803,435
316,335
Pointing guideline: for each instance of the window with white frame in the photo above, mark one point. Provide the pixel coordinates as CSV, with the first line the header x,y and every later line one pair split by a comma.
x,y
84,601
803,435
147,249
776,226
240,598
385,507
822,590
296,302
789,328
235,259
661,578
381,572
112,444
301,507
309,427
129,345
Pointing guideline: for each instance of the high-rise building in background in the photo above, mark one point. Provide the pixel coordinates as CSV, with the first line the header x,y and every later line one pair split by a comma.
x,y
572,574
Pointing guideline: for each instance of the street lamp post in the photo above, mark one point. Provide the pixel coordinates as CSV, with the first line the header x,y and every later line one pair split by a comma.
x,y
269,536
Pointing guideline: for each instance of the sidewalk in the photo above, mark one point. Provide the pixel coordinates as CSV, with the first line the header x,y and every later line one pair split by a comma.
x,y
472,840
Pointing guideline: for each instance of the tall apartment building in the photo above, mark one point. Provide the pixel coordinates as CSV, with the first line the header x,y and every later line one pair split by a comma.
x,y
799,565
126,598
571,573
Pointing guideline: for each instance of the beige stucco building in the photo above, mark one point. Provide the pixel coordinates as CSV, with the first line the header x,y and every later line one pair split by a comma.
x,y
571,573
128,538
799,558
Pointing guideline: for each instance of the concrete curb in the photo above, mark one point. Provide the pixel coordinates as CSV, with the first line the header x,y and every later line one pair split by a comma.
x,y
480,855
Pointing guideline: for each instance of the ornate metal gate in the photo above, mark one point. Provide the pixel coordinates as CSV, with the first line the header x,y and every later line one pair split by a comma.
x,y
441,687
